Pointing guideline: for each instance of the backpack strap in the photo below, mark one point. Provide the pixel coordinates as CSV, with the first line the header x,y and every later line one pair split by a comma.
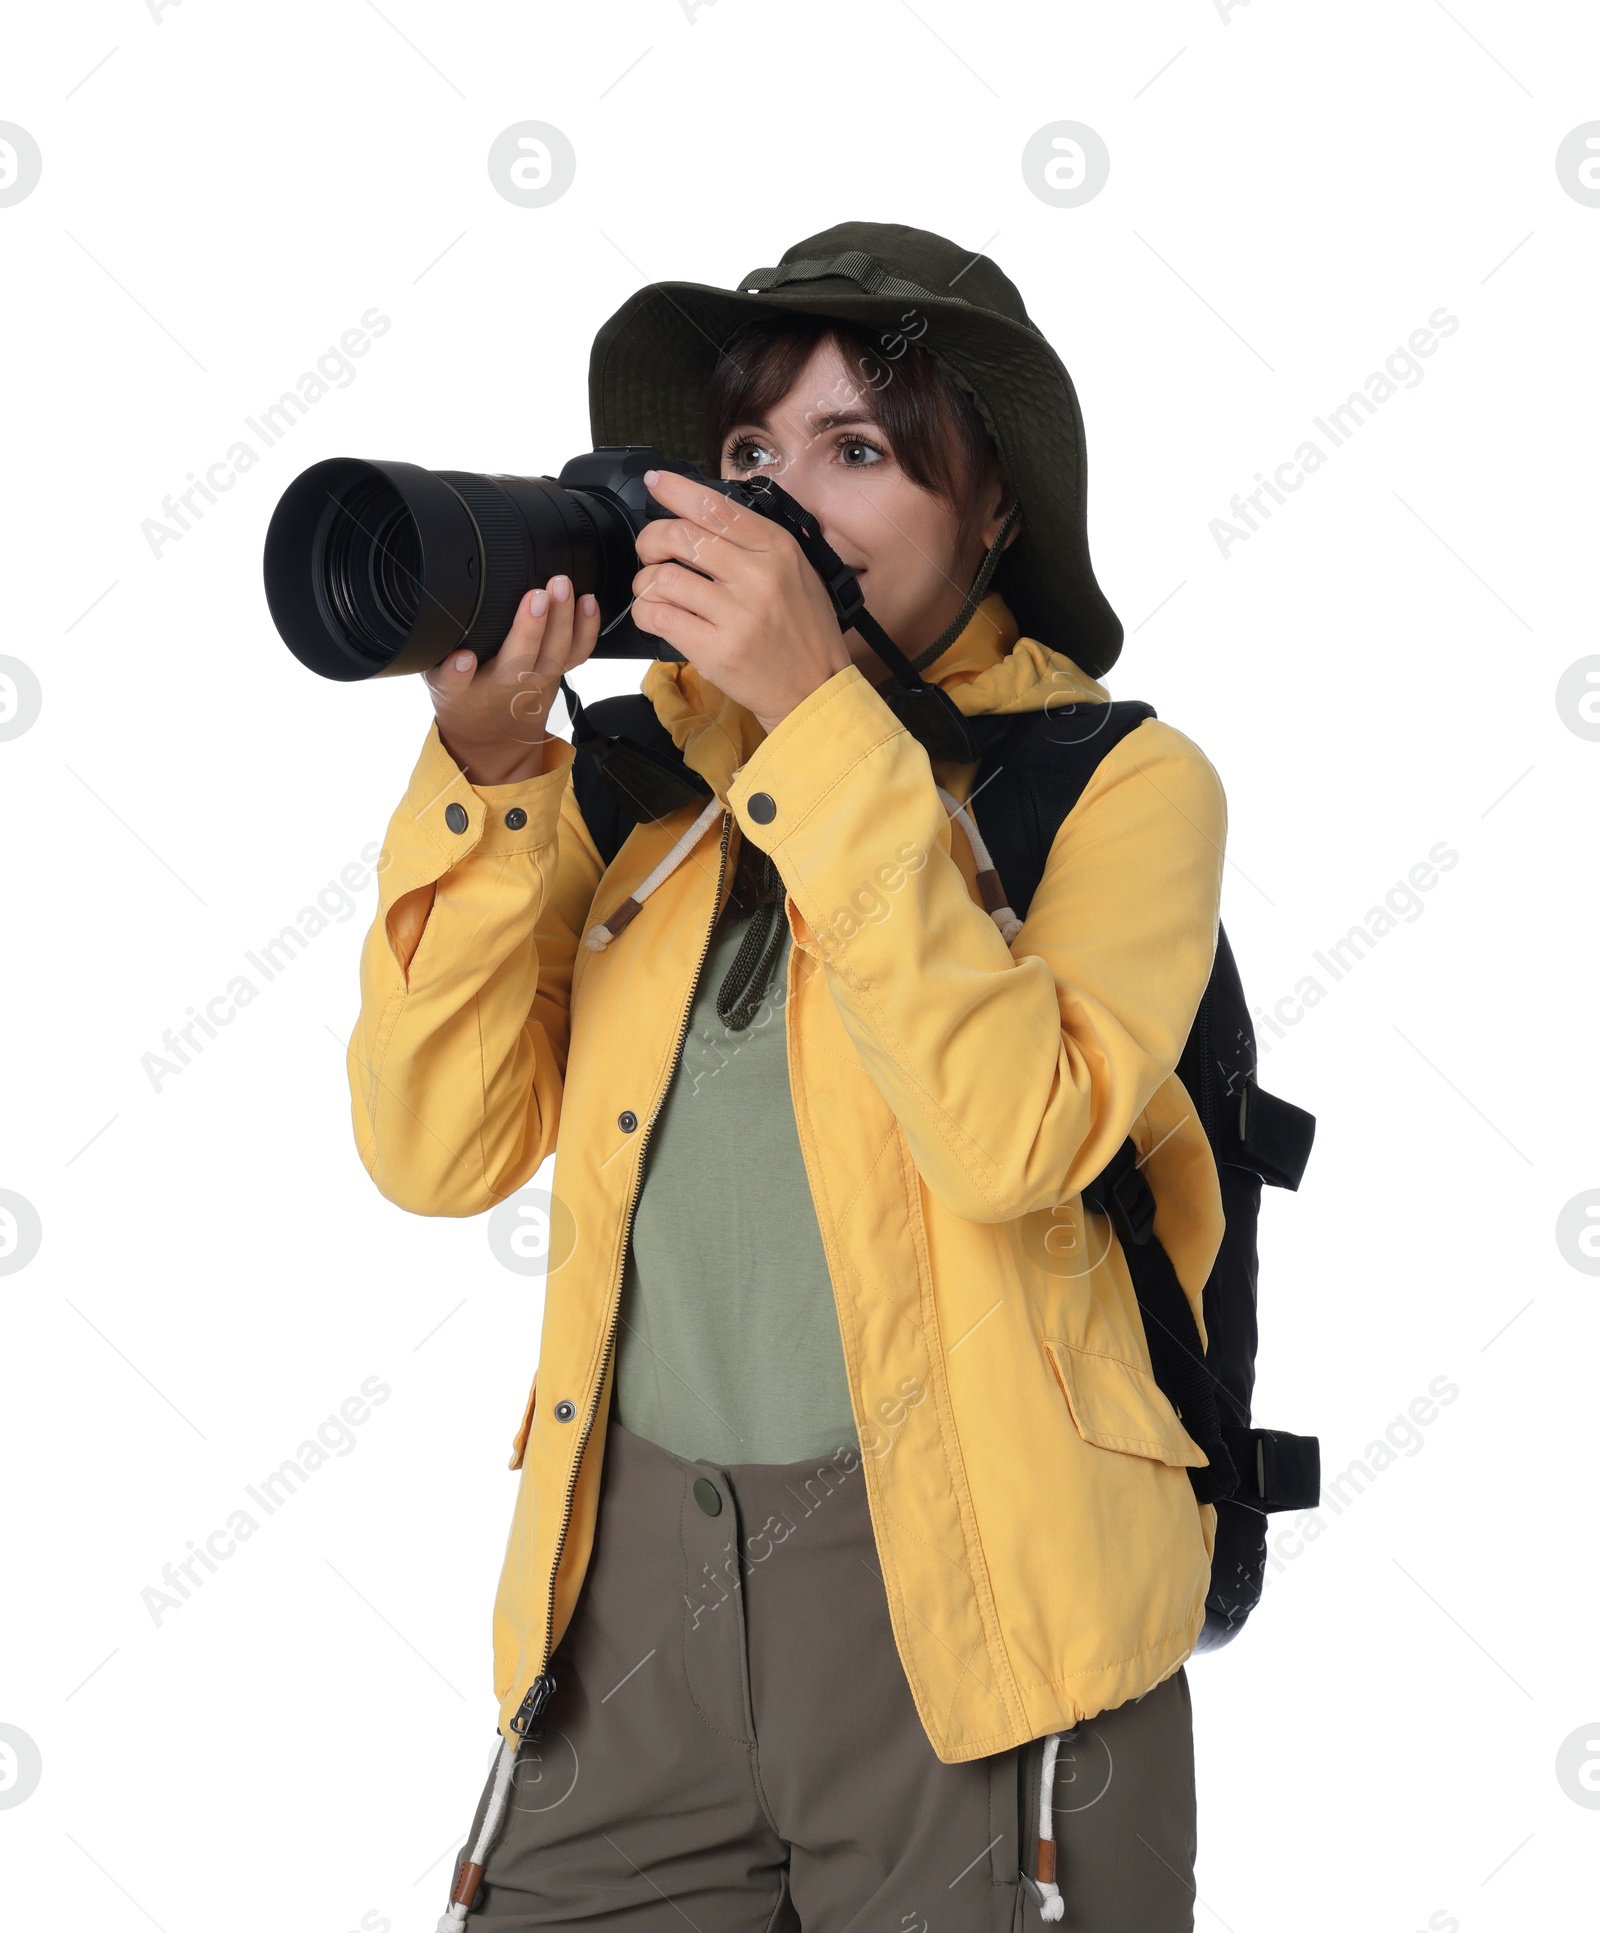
x,y
1023,794
1177,1356
1266,1470
1032,778
626,770
608,820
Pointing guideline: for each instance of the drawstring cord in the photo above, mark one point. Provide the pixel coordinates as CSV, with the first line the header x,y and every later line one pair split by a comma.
x,y
991,893
745,984
465,1890
600,936
1051,1905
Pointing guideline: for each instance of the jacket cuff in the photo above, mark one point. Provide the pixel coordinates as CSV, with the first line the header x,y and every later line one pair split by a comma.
x,y
498,819
802,759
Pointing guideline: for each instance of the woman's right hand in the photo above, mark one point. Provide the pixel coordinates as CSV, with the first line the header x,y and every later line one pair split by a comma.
x,y
492,716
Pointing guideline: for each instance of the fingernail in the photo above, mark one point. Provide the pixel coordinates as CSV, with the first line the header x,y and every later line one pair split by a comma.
x,y
587,605
537,603
463,661
651,478
561,589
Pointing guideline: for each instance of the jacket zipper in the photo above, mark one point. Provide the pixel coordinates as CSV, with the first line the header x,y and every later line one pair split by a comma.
x,y
542,1690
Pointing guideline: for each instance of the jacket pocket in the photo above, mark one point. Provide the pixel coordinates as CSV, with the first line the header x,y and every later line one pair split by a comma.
x,y
519,1442
1120,1406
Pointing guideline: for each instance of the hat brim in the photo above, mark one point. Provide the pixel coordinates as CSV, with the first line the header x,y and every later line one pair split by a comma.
x,y
652,360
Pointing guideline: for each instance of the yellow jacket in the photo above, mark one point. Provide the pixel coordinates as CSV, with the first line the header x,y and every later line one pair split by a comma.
x,y
1039,1539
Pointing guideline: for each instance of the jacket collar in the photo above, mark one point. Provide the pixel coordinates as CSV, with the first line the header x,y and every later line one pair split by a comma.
x,y
988,669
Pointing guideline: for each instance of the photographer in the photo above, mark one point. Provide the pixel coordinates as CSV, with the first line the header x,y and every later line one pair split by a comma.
x,y
849,1514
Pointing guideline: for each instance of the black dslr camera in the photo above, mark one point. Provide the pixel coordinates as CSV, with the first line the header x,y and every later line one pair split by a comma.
x,y
374,569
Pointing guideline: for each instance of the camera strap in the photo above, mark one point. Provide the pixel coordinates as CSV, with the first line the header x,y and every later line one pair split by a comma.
x,y
929,714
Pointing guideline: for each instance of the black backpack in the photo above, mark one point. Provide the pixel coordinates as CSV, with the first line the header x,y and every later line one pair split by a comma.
x,y
1033,769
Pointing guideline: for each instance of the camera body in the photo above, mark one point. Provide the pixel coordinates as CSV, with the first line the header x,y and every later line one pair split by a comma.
x,y
613,476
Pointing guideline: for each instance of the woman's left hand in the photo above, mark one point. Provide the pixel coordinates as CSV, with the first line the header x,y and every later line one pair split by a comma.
x,y
758,623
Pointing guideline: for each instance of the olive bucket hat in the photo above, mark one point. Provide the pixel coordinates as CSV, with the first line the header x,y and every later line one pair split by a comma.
x,y
652,360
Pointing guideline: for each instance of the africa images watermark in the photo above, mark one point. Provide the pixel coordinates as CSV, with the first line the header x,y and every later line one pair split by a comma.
x,y
1402,905
335,1437
182,509
886,1418
1401,369
181,1045
1402,1438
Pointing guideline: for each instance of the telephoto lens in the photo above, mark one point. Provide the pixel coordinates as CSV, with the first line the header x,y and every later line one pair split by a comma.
x,y
375,569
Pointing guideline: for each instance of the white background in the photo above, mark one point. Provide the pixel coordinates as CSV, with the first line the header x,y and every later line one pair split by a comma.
x,y
1293,191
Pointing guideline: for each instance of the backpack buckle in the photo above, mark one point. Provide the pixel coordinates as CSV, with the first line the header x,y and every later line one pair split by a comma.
x,y
1278,1471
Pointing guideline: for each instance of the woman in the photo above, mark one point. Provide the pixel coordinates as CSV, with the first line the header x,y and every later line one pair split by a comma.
x,y
850,1517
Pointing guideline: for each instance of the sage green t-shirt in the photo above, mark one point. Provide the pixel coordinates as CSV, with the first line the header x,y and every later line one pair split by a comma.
x,y
728,1346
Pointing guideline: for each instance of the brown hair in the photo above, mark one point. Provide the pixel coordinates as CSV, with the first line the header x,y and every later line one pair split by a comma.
x,y
933,428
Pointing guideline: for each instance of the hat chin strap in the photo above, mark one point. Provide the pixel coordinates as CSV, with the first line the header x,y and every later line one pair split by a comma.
x,y
973,598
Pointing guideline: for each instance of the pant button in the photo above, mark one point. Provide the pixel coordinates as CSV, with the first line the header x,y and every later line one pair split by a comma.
x,y
708,1496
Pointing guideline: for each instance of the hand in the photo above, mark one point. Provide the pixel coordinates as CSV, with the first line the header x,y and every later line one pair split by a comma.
x,y
492,716
758,622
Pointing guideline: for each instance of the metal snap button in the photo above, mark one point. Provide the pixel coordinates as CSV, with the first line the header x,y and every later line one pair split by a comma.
x,y
762,807
627,1120
708,1496
516,819
565,1411
455,816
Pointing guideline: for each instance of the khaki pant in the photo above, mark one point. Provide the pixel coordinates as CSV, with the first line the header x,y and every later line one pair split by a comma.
x,y
732,1745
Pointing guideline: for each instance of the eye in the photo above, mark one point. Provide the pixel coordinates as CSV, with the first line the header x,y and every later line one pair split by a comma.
x,y
856,453
745,453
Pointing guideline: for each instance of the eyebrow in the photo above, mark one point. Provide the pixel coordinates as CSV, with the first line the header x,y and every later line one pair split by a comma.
x,y
819,425
838,419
